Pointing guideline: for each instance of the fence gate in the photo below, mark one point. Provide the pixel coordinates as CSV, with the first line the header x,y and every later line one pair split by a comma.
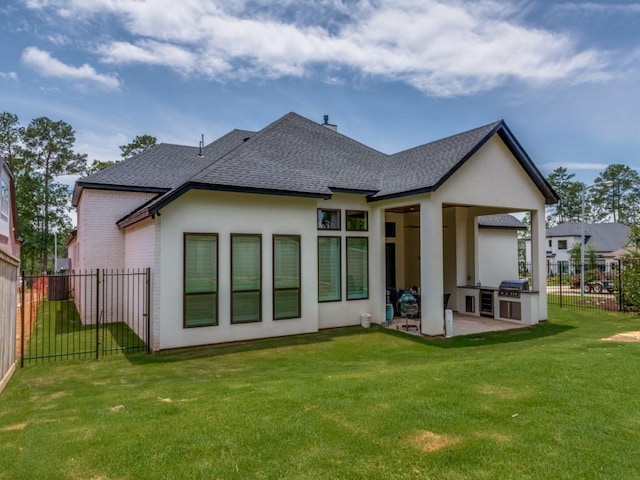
x,y
84,314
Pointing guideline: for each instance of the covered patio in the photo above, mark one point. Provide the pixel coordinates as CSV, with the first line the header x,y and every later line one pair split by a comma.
x,y
462,325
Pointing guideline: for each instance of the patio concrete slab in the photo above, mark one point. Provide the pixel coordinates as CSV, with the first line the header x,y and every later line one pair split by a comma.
x,y
462,325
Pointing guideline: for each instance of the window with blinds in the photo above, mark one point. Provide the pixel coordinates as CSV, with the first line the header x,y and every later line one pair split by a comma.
x,y
357,268
246,278
286,277
200,299
329,285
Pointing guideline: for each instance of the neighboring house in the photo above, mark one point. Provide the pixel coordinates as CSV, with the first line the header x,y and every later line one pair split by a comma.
x,y
9,271
607,240
297,228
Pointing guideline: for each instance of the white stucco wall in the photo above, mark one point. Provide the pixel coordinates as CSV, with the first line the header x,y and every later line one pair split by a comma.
x,y
498,255
347,312
224,214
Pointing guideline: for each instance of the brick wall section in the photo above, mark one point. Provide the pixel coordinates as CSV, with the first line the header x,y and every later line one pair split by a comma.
x,y
101,243
139,249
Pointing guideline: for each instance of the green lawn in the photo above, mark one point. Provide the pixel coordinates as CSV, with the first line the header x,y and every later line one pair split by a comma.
x,y
59,332
554,401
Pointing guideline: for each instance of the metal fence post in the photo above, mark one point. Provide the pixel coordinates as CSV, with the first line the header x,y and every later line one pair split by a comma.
x,y
148,306
97,313
620,294
22,321
559,268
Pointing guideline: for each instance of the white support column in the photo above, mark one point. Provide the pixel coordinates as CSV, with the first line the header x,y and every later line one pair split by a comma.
x,y
473,269
462,275
377,263
538,261
431,267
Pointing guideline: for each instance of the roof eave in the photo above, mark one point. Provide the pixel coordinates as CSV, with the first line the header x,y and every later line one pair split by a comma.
x,y
407,193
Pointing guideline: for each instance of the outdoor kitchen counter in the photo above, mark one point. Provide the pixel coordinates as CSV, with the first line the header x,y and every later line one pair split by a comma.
x,y
485,301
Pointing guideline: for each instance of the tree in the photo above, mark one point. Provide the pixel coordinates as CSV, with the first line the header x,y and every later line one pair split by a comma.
x,y
621,201
138,145
590,255
631,270
47,150
568,209
98,165
10,133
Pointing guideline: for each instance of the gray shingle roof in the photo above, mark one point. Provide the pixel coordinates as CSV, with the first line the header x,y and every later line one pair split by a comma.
x,y
164,166
501,220
296,156
602,237
428,165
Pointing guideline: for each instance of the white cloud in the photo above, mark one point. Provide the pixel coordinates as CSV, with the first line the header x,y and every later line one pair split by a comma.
x,y
50,67
597,7
9,76
441,48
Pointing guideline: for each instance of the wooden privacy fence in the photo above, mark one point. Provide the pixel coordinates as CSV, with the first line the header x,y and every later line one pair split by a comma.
x,y
8,306
84,314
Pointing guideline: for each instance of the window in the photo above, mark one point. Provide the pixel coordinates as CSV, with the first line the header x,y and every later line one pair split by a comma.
x,y
200,299
246,278
4,198
357,268
549,243
357,221
562,244
286,276
329,258
328,219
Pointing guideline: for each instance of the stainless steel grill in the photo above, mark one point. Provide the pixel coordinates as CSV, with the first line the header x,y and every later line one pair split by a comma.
x,y
512,288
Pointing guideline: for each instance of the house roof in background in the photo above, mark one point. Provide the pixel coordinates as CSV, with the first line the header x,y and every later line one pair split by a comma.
x,y
602,237
501,220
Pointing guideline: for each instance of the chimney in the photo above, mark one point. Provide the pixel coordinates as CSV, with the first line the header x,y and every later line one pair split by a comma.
x,y
328,125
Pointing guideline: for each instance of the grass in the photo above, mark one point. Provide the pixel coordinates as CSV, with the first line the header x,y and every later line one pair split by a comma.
x,y
554,401
58,331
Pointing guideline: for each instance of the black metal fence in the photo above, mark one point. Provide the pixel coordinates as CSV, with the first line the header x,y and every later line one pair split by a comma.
x,y
609,285
84,314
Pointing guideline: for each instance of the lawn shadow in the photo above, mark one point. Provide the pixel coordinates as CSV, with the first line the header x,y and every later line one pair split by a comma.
x,y
119,337
524,334
217,350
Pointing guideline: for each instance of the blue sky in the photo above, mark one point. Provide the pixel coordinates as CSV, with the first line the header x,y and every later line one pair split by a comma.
x,y
393,74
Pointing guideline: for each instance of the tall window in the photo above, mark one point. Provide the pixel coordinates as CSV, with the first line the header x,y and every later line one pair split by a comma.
x,y
357,268
246,278
329,286
200,299
286,276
